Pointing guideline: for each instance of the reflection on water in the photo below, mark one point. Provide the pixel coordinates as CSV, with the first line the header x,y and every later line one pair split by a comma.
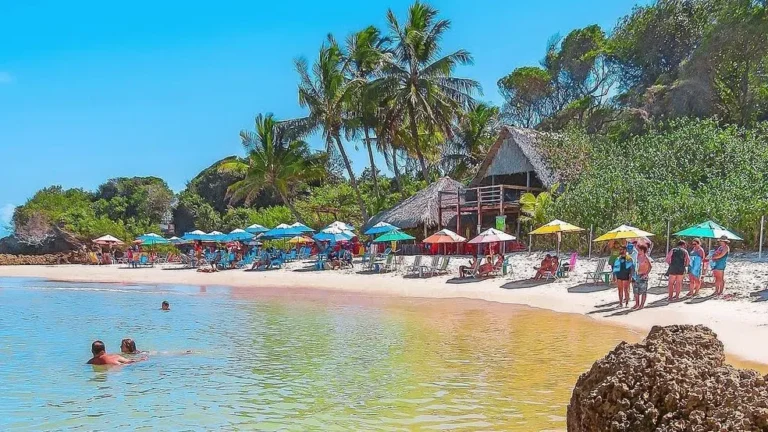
x,y
272,362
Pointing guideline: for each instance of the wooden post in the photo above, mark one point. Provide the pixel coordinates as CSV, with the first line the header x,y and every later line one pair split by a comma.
x,y
479,210
762,231
528,179
530,241
439,210
669,225
501,200
591,228
518,226
458,212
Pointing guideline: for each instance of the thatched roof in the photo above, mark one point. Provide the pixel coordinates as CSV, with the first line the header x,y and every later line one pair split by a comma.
x,y
420,209
517,150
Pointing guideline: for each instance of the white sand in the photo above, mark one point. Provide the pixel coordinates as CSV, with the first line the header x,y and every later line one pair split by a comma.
x,y
742,323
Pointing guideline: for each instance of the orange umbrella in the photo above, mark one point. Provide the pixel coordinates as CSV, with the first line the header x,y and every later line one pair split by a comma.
x,y
445,236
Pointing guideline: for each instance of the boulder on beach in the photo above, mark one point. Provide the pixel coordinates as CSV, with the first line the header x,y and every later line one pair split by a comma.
x,y
57,242
674,380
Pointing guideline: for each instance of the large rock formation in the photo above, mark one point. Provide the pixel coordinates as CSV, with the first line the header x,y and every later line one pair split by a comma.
x,y
57,242
675,380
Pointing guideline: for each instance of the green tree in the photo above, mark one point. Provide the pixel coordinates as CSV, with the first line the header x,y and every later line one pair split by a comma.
x,y
472,137
418,82
527,93
536,209
275,161
365,51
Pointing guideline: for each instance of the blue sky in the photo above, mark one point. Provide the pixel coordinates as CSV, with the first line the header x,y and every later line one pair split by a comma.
x,y
91,90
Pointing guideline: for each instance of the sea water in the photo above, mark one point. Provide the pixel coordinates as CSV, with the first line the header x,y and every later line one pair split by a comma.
x,y
295,360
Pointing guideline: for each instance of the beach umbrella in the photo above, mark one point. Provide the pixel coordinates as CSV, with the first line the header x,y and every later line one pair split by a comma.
x,y
301,227
214,237
341,225
394,236
108,240
151,239
444,236
709,230
556,227
300,240
239,235
281,231
623,232
380,228
256,229
193,235
492,235
334,235
177,241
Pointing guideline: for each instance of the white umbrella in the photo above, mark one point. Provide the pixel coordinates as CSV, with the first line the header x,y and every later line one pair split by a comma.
x,y
108,239
341,225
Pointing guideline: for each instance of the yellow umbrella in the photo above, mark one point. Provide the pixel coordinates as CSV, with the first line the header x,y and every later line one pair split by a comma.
x,y
623,232
556,227
300,239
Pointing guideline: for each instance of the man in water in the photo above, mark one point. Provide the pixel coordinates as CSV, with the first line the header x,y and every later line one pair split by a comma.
x,y
165,306
101,358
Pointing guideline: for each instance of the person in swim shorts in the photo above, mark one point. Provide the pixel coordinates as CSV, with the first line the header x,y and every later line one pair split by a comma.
x,y
694,269
101,358
719,259
642,271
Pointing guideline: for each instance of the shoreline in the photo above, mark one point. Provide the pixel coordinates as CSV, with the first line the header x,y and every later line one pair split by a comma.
x,y
740,325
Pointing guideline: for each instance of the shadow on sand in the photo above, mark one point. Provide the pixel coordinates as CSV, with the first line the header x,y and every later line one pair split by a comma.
x,y
467,280
526,283
759,296
588,287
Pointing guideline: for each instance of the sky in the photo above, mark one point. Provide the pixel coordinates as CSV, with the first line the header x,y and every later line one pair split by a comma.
x,y
92,90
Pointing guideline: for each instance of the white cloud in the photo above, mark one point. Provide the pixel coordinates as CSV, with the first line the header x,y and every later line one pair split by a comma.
x,y
5,78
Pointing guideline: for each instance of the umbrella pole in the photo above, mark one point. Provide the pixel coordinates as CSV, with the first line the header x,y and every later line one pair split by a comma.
x,y
530,240
762,230
669,223
590,241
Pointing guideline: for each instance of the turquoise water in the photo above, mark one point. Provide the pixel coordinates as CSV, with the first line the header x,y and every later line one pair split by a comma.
x,y
284,360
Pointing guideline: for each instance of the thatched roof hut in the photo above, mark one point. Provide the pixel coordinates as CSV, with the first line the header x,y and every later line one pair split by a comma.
x,y
421,209
516,159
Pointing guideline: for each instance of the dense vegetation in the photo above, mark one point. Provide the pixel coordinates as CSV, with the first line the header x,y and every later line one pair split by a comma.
x,y
661,118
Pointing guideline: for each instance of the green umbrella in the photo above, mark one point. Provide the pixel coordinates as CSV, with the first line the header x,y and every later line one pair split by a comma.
x,y
708,230
395,235
151,239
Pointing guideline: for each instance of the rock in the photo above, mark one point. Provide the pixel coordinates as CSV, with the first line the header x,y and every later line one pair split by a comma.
x,y
674,380
60,241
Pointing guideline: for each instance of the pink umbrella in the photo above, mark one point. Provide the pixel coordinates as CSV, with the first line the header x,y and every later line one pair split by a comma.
x,y
492,235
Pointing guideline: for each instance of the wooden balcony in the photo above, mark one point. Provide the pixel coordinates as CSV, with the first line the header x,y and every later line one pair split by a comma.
x,y
498,199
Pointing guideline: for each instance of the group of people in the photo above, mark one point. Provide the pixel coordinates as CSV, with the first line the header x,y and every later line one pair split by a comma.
x,y
492,262
633,265
548,266
127,347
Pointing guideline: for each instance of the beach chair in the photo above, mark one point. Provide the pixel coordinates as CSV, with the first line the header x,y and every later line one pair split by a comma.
x,y
291,256
278,261
599,274
472,271
346,260
415,267
389,264
566,270
428,268
442,268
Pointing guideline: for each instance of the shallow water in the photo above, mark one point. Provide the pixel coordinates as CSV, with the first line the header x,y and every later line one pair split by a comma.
x,y
286,360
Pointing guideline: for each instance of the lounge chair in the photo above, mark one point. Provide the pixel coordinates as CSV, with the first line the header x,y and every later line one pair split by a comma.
x,y
291,256
471,271
278,261
566,270
388,265
428,268
599,274
415,267
442,268
495,270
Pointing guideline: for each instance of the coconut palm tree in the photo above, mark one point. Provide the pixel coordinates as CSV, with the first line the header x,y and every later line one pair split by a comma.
x,y
365,51
473,136
274,160
419,82
327,93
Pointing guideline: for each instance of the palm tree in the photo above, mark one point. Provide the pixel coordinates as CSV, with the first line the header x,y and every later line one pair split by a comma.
x,y
418,82
327,93
473,136
365,51
274,160
535,208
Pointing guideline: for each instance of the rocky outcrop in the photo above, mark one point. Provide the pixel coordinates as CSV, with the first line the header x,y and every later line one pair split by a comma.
x,y
674,380
58,242
72,258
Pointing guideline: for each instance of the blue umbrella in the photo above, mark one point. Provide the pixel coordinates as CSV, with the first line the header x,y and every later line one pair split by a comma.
x,y
301,227
194,235
151,239
333,237
214,236
281,231
239,235
380,228
256,229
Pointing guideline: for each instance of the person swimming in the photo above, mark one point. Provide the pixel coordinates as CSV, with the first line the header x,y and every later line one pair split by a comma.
x,y
165,306
128,346
101,358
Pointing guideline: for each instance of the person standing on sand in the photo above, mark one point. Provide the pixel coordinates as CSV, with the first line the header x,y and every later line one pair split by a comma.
x,y
622,271
694,269
101,358
678,261
719,260
642,270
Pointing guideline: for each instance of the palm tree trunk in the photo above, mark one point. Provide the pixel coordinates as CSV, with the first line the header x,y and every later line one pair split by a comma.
x,y
373,164
291,207
352,179
396,170
417,146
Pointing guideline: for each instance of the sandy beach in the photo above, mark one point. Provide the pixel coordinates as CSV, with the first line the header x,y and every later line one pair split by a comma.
x,y
741,322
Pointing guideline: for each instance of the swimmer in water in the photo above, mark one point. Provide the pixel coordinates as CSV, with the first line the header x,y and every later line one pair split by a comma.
x,y
101,358
128,346
165,306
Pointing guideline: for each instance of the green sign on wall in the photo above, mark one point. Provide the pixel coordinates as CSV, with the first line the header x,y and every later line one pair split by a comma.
x,y
501,223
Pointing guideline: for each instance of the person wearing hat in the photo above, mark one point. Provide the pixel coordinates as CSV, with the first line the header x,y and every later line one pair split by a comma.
x,y
719,259
694,269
